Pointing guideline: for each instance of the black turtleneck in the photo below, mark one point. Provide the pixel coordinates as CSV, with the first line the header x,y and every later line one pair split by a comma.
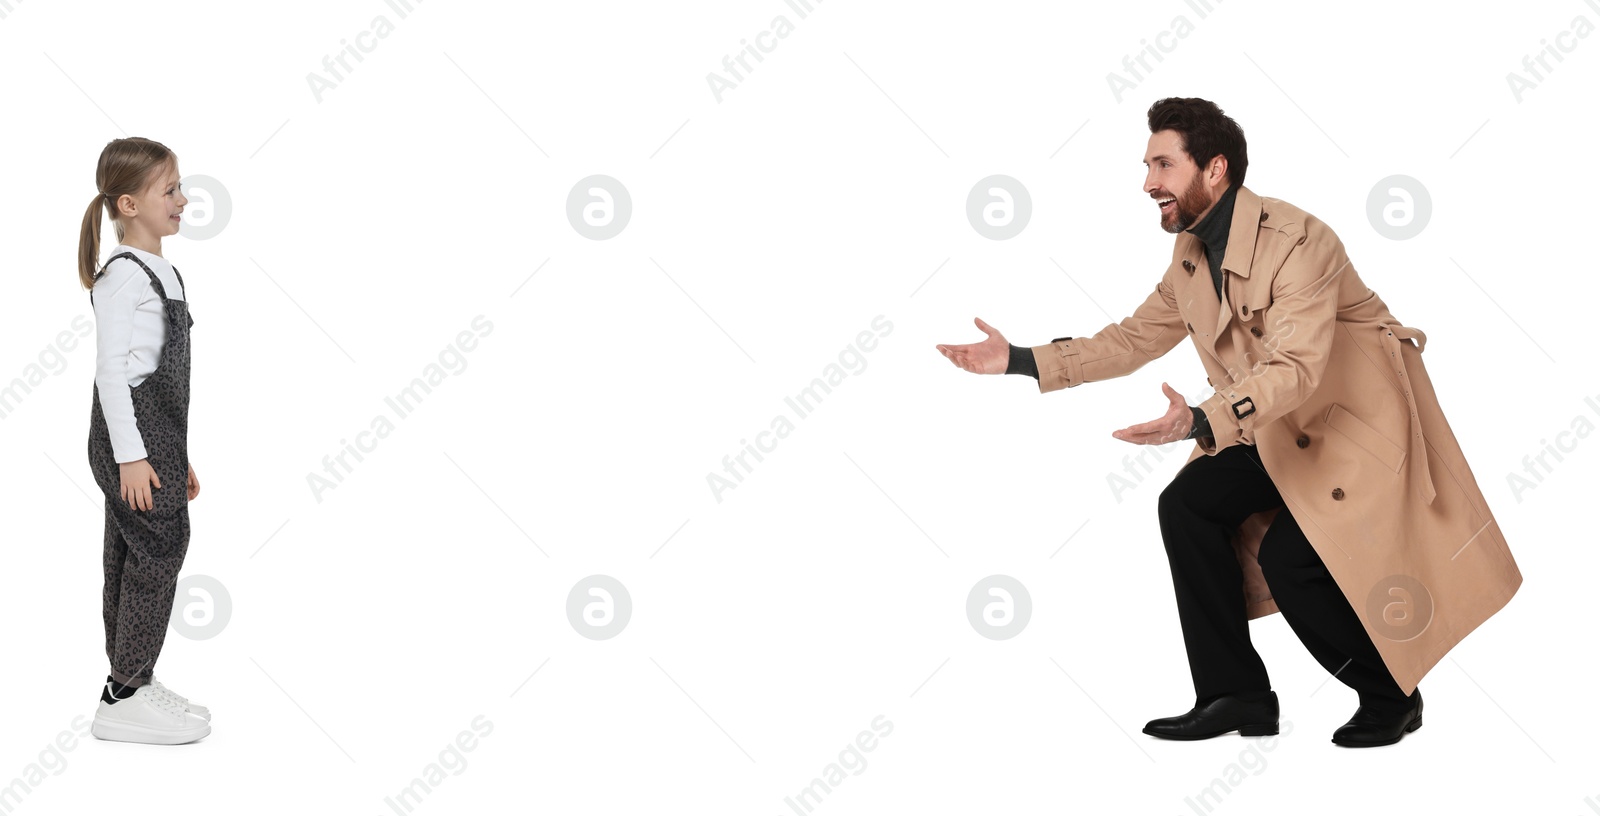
x,y
1212,231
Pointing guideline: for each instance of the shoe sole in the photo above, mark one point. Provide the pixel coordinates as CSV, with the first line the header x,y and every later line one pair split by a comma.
x,y
1414,725
1244,731
125,732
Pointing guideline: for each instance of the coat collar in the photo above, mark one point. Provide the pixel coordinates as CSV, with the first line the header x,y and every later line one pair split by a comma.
x,y
1237,258
1242,234
1241,247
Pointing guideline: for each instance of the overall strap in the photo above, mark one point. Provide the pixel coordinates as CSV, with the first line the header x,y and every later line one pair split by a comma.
x,y
155,281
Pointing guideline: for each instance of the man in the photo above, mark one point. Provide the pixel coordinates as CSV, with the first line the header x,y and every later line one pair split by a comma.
x,y
1325,482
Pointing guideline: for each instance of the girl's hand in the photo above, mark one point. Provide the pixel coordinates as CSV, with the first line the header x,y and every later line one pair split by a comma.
x,y
136,477
194,484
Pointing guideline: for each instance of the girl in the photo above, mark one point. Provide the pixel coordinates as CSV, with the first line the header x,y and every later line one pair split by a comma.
x,y
138,428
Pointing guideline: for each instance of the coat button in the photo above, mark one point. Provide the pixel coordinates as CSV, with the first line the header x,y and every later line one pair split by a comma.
x,y
1303,440
1255,330
1338,493
1191,327
1188,265
1263,216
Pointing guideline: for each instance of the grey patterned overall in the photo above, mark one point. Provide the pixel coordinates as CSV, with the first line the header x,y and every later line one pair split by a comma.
x,y
144,549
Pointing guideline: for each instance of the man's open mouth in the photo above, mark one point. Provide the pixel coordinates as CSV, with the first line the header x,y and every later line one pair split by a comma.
x,y
1167,204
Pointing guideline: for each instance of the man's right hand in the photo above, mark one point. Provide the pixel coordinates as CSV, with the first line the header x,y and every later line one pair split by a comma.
x,y
137,476
988,357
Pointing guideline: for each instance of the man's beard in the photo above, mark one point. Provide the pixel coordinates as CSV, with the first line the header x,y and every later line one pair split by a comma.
x,y
1187,209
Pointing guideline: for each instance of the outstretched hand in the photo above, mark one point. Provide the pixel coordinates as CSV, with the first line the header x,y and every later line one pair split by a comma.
x,y
1171,427
991,356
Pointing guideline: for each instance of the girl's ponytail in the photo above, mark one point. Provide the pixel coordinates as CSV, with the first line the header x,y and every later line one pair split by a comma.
x,y
126,168
89,242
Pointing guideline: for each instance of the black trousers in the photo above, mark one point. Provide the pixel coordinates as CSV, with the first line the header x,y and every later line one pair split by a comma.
x,y
1209,496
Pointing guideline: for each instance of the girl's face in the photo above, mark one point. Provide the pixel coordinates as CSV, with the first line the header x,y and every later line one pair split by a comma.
x,y
156,211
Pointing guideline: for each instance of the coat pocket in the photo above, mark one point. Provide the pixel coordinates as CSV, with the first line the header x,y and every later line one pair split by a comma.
x,y
1365,436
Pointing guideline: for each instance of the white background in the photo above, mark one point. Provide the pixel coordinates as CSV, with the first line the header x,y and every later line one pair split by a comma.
x,y
768,629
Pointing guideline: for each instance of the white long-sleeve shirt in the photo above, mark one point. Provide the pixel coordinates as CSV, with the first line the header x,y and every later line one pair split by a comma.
x,y
130,328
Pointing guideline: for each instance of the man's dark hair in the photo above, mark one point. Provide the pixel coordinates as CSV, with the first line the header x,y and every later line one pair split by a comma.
x,y
1206,132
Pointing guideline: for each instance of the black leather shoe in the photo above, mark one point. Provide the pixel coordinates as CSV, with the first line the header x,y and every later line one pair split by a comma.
x,y
1252,714
1371,726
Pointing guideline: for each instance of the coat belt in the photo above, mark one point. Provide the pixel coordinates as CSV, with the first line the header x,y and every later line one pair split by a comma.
x,y
1393,333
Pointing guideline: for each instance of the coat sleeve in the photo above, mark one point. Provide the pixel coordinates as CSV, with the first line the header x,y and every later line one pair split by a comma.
x,y
1118,349
1301,319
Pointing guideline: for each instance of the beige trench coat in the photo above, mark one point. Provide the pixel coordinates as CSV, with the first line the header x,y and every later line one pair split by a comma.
x,y
1308,365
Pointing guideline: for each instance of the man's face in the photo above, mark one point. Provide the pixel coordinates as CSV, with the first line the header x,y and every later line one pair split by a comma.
x,y
1175,182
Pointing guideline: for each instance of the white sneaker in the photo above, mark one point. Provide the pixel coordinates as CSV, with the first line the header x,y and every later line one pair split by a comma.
x,y
149,716
194,708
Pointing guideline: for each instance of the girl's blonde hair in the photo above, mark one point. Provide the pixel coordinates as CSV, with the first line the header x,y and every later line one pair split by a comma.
x,y
127,166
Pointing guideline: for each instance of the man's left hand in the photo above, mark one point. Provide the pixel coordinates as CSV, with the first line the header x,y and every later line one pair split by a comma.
x,y
1171,427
